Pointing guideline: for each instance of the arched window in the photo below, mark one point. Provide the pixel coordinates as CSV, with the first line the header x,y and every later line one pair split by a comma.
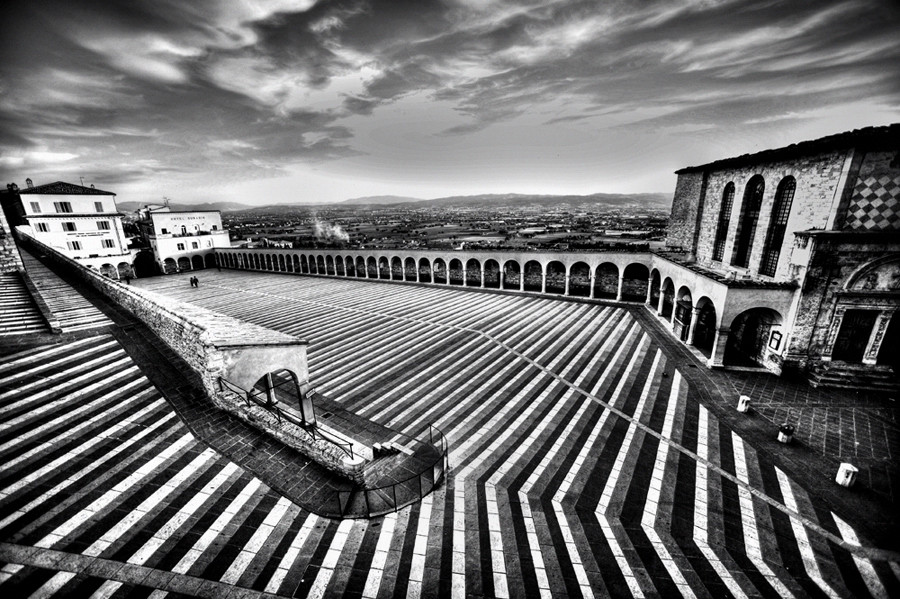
x,y
724,221
746,229
781,210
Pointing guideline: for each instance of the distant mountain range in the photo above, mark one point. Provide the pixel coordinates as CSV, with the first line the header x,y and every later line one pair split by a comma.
x,y
655,201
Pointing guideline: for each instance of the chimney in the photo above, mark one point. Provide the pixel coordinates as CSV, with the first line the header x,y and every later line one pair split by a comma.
x,y
29,184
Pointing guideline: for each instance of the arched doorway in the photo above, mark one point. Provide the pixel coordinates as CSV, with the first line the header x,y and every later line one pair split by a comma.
x,y
304,264
534,276
396,269
440,271
655,284
473,273
197,262
606,281
668,298
684,307
360,267
349,267
184,263
705,328
750,335
556,278
329,266
384,268
124,270
512,275
409,269
634,282
456,272
853,336
580,280
339,266
491,274
424,270
320,265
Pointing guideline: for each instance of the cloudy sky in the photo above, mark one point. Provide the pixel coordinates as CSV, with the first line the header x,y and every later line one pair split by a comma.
x,y
263,101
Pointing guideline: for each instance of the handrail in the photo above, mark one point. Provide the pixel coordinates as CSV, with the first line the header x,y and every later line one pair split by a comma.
x,y
438,469
312,431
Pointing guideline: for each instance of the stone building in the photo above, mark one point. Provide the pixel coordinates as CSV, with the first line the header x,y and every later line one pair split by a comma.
x,y
790,258
80,222
182,240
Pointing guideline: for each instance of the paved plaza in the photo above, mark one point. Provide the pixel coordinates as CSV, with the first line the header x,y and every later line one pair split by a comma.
x,y
590,456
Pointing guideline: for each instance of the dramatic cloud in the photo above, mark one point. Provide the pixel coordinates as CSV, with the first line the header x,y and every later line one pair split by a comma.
x,y
322,100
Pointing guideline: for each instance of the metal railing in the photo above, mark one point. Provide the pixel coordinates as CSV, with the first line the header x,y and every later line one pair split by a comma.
x,y
312,432
376,501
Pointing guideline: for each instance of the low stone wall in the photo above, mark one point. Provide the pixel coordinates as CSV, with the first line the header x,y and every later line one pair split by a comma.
x,y
209,342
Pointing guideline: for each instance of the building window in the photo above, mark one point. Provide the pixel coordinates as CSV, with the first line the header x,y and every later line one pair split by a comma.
x,y
194,245
781,210
43,227
108,243
215,227
746,229
724,221
103,225
163,231
180,247
98,206
63,206
36,207
68,226
74,245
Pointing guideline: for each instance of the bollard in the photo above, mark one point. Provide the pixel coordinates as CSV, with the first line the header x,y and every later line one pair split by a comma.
x,y
785,433
743,403
846,475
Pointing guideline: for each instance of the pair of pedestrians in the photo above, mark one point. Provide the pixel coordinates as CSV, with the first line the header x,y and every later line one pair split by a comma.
x,y
195,282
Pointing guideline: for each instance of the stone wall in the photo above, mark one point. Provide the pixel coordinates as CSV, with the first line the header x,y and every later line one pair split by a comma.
x,y
10,261
818,178
207,341
687,206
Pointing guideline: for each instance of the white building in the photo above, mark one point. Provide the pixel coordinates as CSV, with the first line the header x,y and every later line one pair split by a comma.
x,y
80,222
182,241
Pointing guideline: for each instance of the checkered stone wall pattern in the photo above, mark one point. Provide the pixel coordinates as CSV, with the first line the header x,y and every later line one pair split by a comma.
x,y
874,204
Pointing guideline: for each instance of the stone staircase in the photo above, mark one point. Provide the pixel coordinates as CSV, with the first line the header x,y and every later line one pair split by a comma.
x,y
854,376
18,313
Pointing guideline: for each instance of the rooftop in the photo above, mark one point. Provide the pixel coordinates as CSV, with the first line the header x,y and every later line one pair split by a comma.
x,y
63,188
870,138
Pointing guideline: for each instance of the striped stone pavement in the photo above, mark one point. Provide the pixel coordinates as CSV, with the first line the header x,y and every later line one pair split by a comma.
x,y
70,311
582,465
18,313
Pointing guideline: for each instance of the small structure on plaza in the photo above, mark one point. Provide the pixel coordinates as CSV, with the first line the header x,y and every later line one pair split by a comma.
x,y
181,240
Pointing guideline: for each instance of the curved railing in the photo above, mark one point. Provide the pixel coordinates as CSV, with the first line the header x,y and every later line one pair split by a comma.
x,y
254,399
369,502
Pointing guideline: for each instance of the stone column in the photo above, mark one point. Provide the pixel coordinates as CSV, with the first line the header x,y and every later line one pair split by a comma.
x,y
648,301
836,321
591,281
482,277
718,350
522,280
659,304
619,289
695,313
567,285
543,282
465,279
874,345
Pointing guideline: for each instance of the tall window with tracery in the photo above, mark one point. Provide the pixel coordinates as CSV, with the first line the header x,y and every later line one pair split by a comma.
x,y
781,210
724,221
746,228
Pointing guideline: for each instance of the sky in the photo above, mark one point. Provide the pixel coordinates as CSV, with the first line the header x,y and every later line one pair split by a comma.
x,y
305,101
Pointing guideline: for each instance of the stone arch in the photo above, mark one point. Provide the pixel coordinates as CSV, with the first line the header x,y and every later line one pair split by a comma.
x,y
634,282
706,326
410,271
749,335
473,273
456,272
580,279
267,261
304,264
372,267
533,276
606,281
555,281
440,271
361,267
424,270
184,263
339,266
329,265
349,266
491,274
655,286
684,308
320,265
197,263
512,275
882,274
384,268
396,269
281,265
124,270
